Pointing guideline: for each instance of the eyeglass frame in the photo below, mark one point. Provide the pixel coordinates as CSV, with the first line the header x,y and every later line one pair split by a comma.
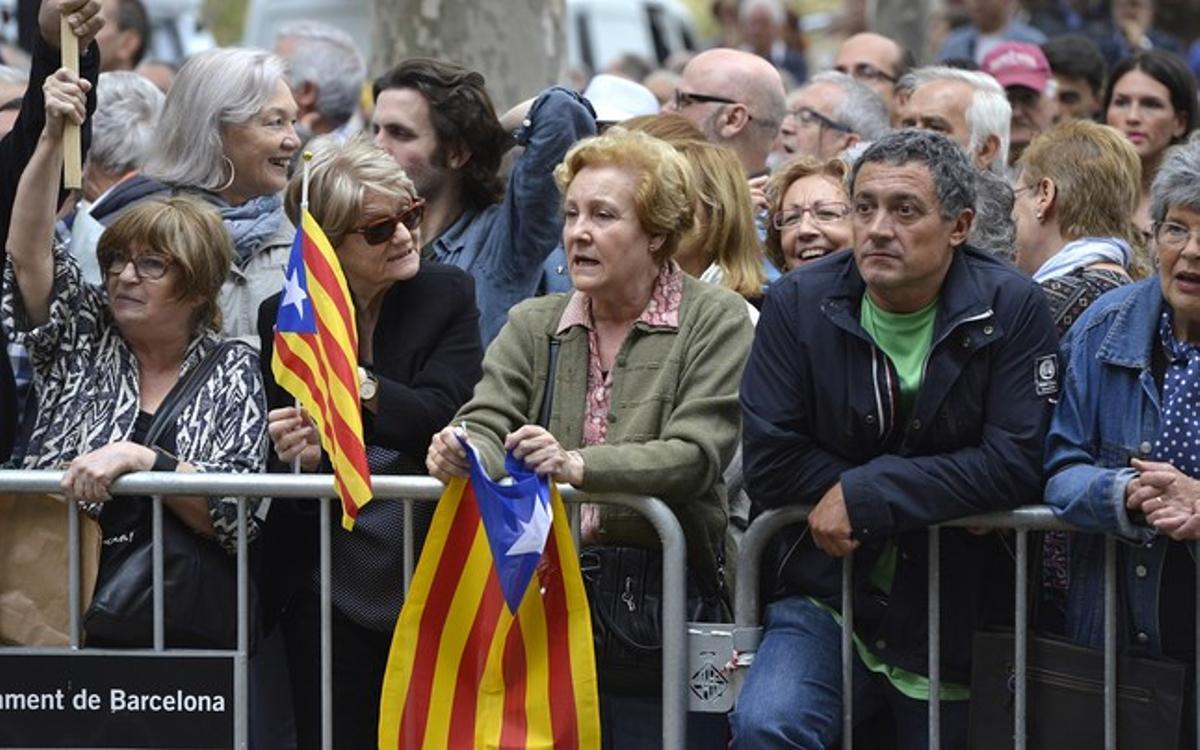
x,y
1192,232
868,72
808,116
681,99
404,216
118,263
811,209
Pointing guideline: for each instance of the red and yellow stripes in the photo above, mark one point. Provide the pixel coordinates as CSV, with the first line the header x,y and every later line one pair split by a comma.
x,y
321,370
464,672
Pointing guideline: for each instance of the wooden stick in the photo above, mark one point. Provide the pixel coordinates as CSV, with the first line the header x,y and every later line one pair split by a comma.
x,y
72,149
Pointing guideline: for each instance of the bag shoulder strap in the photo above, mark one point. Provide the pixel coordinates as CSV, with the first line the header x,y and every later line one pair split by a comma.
x,y
548,397
185,390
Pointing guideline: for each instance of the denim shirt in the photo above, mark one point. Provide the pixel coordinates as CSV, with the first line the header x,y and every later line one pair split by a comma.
x,y
504,245
1109,413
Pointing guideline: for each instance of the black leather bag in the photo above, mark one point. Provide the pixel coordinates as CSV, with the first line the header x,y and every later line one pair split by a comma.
x,y
1065,696
199,578
624,588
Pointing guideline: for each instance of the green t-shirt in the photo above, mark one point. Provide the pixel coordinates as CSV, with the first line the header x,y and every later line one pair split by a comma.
x,y
906,339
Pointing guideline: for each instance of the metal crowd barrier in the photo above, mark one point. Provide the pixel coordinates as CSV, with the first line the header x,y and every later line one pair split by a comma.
x,y
386,488
748,631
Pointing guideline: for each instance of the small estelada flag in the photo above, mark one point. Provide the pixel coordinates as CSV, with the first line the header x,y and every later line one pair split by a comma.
x,y
493,648
315,359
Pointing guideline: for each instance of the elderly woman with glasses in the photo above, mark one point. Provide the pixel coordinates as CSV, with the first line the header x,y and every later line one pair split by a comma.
x,y
810,212
419,355
107,359
1122,452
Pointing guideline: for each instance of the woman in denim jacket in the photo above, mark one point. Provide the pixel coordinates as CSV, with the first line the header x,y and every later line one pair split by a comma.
x,y
1123,452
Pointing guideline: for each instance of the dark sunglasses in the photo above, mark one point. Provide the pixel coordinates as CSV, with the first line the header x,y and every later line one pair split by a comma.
x,y
865,72
382,231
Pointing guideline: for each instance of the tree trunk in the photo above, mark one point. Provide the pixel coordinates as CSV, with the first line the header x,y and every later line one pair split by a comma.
x,y
906,21
518,45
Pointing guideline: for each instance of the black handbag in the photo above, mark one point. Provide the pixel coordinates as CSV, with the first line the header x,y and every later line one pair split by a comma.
x,y
1065,696
624,590
199,578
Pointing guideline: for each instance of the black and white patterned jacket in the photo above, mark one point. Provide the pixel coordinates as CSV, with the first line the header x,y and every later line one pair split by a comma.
x,y
86,380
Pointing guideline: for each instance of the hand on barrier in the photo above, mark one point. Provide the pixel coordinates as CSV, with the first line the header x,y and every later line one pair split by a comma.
x,y
543,455
1169,499
447,458
829,523
293,433
89,476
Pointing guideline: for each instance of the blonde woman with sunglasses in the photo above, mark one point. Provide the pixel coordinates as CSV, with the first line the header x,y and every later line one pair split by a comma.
x,y
419,355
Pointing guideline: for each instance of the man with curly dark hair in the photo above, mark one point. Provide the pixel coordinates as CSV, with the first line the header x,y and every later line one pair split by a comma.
x,y
438,122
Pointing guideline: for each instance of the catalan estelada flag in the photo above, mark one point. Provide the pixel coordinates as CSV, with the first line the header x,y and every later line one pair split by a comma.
x,y
493,648
315,359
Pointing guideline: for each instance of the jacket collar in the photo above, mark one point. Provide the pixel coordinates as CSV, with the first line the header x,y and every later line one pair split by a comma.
x,y
959,299
451,240
1130,339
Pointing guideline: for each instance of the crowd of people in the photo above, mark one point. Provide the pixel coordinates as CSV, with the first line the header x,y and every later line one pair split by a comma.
x,y
898,294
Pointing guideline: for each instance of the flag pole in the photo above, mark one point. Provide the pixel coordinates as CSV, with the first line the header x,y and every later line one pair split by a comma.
x,y
306,160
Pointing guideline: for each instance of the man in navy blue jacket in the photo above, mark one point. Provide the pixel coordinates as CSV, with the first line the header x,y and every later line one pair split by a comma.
x,y
893,388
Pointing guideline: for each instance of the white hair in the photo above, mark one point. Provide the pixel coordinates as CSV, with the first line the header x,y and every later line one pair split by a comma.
x,y
214,89
127,110
861,109
774,7
328,57
989,113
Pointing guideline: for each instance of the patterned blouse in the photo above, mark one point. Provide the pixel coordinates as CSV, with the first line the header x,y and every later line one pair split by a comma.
x,y
86,379
663,312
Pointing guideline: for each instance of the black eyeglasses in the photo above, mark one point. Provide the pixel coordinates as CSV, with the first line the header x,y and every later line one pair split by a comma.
x,y
685,99
148,266
810,116
866,72
383,230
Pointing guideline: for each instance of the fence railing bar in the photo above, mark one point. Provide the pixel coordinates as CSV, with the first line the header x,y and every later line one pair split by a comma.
x,y
326,630
934,586
241,677
74,585
157,571
848,652
410,556
1021,647
1110,643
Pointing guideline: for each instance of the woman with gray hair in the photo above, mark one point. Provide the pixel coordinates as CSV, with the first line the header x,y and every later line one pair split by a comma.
x,y
1121,454
419,355
226,135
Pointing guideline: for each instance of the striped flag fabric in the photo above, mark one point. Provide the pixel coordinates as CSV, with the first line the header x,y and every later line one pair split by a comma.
x,y
493,648
315,358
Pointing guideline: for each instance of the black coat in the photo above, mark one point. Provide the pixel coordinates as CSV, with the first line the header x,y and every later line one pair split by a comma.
x,y
820,404
428,358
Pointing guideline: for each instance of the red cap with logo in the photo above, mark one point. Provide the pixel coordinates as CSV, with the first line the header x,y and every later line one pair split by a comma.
x,y
1018,64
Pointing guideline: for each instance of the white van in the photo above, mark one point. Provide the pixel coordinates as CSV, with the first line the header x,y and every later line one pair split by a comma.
x,y
598,31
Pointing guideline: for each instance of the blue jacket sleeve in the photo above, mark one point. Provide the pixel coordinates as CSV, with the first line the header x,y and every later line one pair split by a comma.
x,y
893,493
529,222
783,462
1079,489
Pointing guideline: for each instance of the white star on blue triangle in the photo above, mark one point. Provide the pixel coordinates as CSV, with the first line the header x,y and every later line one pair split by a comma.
x,y
295,308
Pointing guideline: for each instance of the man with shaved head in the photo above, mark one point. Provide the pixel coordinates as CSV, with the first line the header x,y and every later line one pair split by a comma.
x,y
876,61
736,98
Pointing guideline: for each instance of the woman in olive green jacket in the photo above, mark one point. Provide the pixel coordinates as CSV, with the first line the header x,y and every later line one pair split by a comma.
x,y
648,361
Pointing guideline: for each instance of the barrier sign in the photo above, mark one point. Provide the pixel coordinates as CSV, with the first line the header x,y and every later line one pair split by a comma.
x,y
116,701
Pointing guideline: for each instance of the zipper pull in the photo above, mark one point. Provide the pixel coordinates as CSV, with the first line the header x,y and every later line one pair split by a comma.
x,y
627,597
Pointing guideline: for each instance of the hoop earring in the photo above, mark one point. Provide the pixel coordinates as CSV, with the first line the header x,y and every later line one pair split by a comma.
x,y
232,175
